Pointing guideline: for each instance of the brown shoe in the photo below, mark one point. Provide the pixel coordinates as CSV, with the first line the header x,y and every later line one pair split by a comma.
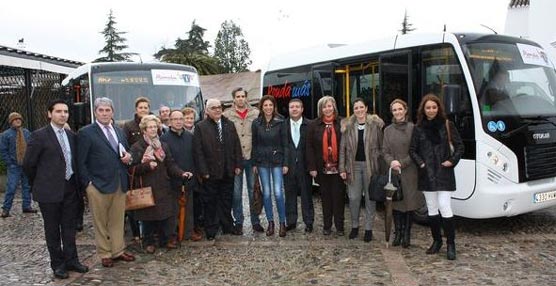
x,y
125,257
196,236
172,244
270,229
107,262
282,229
150,249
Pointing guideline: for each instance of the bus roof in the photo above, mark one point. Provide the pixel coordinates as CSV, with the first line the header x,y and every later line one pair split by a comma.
x,y
327,53
109,66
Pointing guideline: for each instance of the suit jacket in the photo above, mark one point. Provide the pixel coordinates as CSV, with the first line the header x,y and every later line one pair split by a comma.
x,y
45,166
296,155
98,163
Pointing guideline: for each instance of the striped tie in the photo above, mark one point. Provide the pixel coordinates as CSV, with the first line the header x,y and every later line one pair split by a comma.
x,y
65,151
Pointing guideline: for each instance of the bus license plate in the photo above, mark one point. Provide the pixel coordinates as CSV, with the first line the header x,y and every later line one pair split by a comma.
x,y
543,197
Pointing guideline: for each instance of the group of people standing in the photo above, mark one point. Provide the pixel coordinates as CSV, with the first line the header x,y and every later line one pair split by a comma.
x,y
213,157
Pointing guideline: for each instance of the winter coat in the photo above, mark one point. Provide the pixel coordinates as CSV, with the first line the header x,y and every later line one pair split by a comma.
x,y
218,160
433,176
8,145
243,127
372,140
269,142
158,179
397,138
132,131
315,132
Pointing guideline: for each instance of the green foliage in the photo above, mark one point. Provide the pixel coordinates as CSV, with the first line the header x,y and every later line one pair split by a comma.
x,y
406,26
115,43
192,51
231,49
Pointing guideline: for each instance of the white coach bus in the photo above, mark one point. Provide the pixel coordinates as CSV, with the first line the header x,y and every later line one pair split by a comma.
x,y
499,91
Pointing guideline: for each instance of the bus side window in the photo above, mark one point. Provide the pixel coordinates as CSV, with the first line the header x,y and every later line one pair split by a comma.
x,y
442,76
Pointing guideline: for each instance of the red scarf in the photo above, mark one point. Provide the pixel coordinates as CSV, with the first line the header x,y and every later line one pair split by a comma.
x,y
242,114
329,144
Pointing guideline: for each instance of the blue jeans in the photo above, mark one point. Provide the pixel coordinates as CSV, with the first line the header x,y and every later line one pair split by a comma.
x,y
277,180
237,200
15,175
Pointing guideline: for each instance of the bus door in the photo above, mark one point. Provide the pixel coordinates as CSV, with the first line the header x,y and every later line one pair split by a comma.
x,y
322,84
357,81
395,82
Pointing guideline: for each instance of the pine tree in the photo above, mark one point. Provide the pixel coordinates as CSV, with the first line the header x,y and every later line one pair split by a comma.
x,y
406,26
231,49
115,43
192,51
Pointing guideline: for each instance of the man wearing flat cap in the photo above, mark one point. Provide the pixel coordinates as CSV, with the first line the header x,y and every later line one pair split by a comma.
x,y
12,150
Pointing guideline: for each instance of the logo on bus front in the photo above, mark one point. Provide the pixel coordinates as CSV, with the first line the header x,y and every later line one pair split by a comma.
x,y
290,90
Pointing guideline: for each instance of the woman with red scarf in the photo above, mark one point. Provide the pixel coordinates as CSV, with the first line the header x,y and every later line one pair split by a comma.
x,y
323,145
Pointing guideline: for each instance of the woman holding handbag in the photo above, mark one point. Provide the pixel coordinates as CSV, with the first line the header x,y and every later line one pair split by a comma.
x,y
153,163
436,148
395,147
359,160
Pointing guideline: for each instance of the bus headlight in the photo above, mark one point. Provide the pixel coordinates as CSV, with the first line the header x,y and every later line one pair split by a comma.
x,y
498,161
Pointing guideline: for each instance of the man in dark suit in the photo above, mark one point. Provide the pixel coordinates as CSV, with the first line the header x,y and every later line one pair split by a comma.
x,y
297,180
51,167
217,155
102,161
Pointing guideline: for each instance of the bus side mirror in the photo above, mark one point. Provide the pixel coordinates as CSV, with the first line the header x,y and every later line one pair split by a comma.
x,y
79,112
451,98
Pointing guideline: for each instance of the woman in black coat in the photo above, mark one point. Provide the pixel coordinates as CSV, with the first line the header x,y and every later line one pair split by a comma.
x,y
431,149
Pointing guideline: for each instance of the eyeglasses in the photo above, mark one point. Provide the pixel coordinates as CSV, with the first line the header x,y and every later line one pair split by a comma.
x,y
215,107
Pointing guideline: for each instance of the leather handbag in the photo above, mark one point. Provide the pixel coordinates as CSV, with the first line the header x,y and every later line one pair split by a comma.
x,y
377,191
138,198
257,196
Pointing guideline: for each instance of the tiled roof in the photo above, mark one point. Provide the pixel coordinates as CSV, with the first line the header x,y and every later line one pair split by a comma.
x,y
518,3
220,86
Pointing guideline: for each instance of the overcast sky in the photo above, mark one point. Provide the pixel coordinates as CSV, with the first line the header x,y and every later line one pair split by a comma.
x,y
70,29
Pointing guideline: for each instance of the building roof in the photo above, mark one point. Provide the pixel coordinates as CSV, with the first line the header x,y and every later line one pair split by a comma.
x,y
25,59
518,3
220,86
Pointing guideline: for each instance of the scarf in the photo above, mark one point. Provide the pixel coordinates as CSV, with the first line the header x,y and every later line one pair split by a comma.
x,y
432,129
20,146
329,141
242,114
154,151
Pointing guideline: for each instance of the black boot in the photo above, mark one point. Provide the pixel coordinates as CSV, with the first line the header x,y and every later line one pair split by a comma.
x,y
354,232
408,221
450,232
434,223
398,228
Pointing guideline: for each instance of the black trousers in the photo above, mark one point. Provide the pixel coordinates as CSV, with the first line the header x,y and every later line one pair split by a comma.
x,y
298,181
60,220
332,194
217,196
161,227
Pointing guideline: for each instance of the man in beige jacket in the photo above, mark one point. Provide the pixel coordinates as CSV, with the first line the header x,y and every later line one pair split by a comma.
x,y
242,115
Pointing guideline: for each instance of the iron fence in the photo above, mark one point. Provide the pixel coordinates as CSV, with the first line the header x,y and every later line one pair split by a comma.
x,y
27,92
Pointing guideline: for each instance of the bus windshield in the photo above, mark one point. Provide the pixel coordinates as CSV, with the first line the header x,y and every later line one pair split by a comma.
x,y
513,81
173,88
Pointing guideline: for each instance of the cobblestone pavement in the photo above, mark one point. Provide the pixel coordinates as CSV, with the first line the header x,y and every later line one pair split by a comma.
x,y
503,251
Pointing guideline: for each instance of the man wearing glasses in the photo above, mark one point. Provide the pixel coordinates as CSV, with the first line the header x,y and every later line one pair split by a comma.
x,y
217,155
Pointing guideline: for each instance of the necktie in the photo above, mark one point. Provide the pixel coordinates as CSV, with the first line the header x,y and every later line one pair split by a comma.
x,y
65,151
111,139
295,134
219,126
